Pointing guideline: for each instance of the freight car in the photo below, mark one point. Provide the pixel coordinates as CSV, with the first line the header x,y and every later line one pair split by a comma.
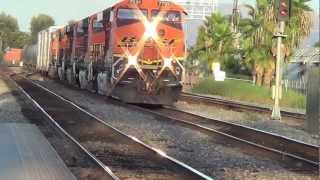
x,y
132,51
29,56
12,57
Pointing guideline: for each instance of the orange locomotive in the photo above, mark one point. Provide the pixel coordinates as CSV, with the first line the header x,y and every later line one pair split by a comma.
x,y
132,51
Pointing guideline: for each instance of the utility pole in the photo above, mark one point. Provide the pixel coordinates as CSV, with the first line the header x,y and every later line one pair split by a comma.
x,y
0,44
276,112
0,41
235,25
235,16
284,7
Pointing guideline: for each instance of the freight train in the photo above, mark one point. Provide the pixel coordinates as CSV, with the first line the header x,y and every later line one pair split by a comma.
x,y
132,51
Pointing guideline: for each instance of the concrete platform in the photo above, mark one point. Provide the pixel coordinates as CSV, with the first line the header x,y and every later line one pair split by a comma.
x,y
25,154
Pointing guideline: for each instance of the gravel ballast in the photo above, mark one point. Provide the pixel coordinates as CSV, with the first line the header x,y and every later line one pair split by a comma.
x,y
193,148
254,120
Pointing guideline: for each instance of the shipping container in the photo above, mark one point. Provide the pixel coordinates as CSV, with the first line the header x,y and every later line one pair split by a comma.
x,y
13,56
43,49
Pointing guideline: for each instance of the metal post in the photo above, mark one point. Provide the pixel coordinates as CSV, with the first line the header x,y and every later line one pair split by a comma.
x,y
0,41
276,114
313,100
235,16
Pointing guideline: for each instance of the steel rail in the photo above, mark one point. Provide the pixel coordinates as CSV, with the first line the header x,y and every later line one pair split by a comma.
x,y
308,154
180,164
196,98
65,133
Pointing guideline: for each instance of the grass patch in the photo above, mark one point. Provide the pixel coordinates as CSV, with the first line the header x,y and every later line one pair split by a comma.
x,y
245,91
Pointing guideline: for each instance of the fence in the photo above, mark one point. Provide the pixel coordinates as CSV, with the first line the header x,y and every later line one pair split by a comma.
x,y
299,85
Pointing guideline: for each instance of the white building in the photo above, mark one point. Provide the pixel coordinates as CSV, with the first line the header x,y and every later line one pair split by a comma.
x,y
197,11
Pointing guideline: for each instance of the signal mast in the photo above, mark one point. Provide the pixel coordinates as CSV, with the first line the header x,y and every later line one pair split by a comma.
x,y
235,23
235,16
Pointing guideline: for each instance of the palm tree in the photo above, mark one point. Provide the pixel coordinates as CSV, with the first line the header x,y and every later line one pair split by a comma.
x,y
214,40
258,31
299,25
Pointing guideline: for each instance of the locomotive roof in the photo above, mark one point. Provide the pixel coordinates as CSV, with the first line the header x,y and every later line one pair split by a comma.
x,y
145,4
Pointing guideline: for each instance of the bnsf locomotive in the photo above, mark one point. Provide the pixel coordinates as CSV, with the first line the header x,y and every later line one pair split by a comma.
x,y
132,51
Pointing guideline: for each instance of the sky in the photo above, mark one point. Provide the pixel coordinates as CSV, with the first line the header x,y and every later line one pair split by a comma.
x,y
64,10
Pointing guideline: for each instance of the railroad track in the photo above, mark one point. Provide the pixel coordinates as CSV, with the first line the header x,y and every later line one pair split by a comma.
x,y
286,150
194,98
120,155
75,157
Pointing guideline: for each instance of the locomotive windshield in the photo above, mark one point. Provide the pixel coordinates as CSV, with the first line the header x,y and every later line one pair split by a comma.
x,y
170,16
131,14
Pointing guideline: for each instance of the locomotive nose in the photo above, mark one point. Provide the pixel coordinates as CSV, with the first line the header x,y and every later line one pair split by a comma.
x,y
150,51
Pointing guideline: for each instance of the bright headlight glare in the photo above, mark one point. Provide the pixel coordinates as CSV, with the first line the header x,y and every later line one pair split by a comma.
x,y
167,62
132,60
150,29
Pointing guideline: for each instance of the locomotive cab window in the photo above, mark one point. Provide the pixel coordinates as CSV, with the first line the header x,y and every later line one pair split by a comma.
x,y
97,26
80,31
131,14
173,16
170,18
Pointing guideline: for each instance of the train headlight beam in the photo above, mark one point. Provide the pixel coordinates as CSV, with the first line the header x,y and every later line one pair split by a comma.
x,y
167,62
132,60
150,30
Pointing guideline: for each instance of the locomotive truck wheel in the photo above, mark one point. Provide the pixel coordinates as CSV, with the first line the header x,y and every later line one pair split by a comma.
x,y
60,73
83,79
102,83
52,72
69,76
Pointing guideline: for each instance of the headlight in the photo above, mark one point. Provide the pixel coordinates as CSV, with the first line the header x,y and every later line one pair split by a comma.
x,y
132,60
167,62
150,30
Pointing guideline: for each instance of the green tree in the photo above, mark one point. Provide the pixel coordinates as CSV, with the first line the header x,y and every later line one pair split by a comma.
x,y
258,30
8,26
214,41
39,23
317,44
299,25
18,39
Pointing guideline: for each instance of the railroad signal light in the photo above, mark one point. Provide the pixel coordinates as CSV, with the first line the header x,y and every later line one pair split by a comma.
x,y
284,10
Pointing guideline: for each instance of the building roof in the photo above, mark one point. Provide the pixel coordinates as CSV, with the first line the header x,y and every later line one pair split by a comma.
x,y
306,55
